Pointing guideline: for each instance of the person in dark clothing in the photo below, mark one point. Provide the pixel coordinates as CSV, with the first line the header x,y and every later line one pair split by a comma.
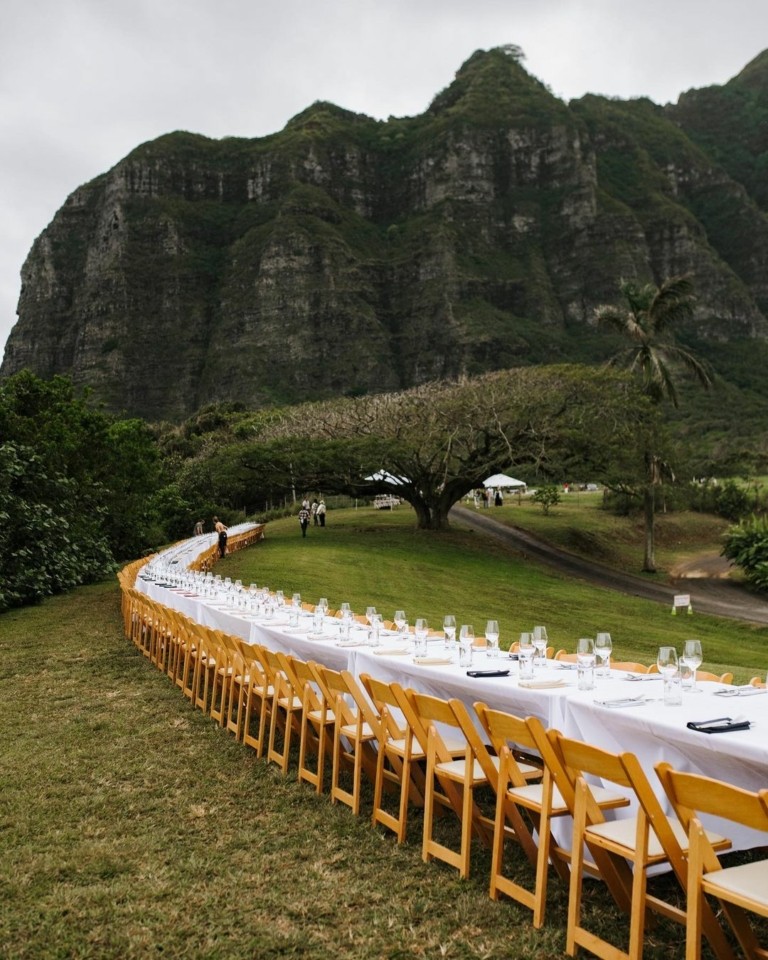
x,y
304,520
219,527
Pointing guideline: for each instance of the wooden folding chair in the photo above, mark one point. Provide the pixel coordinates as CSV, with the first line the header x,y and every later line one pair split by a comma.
x,y
644,839
234,714
258,701
352,733
285,707
518,802
629,666
397,761
316,724
739,889
218,674
451,780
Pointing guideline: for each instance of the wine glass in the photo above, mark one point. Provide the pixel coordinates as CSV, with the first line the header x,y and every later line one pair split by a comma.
x,y
296,600
370,612
492,637
693,658
399,620
666,661
540,640
346,611
603,648
449,631
322,604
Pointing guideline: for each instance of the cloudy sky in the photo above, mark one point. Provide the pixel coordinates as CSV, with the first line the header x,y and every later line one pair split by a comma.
x,y
82,82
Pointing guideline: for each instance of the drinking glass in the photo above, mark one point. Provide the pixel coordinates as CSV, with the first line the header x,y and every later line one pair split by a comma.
x,y
369,612
492,637
693,658
421,629
346,611
296,600
540,643
525,651
375,632
400,620
322,604
585,663
603,648
466,643
449,632
666,661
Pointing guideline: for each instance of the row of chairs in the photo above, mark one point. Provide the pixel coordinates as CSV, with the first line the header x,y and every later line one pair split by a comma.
x,y
503,778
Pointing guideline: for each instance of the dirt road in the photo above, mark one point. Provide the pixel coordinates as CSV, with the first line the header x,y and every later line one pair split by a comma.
x,y
709,593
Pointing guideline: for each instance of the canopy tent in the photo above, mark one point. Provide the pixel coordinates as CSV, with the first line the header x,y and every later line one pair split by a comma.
x,y
502,480
383,476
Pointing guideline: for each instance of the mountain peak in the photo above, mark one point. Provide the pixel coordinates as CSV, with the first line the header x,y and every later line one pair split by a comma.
x,y
755,74
492,86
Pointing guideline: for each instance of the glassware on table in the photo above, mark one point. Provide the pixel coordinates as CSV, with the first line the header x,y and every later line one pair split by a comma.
x,y
668,666
466,643
492,637
346,611
449,632
540,641
296,600
525,655
585,663
374,636
399,620
692,658
603,648
369,612
420,631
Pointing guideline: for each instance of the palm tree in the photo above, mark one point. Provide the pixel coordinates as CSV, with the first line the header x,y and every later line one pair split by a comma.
x,y
651,314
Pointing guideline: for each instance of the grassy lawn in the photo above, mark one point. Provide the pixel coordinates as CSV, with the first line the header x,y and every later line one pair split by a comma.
x,y
366,556
131,826
580,525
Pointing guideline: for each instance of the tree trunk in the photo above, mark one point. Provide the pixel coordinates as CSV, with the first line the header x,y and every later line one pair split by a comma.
x,y
649,512
430,516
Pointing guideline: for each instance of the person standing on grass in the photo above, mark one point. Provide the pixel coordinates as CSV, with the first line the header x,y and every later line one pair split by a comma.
x,y
304,520
219,527
320,512
198,529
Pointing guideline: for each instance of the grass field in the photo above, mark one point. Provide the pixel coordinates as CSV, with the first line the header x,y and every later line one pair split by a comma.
x,y
131,826
375,557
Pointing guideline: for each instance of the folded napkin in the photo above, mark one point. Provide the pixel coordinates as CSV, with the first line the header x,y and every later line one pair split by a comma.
x,y
746,691
623,702
392,652
432,661
319,636
351,643
304,629
719,725
542,684
487,673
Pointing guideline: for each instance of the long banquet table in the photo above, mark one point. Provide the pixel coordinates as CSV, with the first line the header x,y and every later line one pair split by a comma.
x,y
649,728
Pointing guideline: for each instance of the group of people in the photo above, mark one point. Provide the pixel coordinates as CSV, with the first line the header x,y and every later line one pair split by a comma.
x,y
219,528
314,511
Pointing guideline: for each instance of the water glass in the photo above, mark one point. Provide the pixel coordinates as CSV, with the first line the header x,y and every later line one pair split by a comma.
x,y
540,642
603,648
666,661
585,663
492,638
374,637
449,632
420,630
466,643
399,620
673,691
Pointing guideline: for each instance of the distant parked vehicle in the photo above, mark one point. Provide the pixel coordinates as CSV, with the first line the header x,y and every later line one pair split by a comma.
x,y
385,501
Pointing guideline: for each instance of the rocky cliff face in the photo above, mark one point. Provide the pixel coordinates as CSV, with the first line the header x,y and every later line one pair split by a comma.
x,y
348,255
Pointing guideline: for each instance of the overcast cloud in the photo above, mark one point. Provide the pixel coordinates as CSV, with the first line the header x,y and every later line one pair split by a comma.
x,y
82,82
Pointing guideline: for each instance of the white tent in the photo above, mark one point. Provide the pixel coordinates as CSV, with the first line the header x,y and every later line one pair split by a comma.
x,y
502,480
383,476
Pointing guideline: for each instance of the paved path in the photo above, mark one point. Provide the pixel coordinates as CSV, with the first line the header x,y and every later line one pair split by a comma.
x,y
714,595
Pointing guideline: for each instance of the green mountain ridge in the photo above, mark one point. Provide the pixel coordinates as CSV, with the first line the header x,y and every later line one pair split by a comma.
x,y
345,254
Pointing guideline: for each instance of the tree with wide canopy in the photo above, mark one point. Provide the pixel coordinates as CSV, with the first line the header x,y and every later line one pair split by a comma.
x,y
442,439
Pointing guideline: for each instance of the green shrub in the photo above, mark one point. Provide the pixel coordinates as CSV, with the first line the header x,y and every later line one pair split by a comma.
x,y
747,546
